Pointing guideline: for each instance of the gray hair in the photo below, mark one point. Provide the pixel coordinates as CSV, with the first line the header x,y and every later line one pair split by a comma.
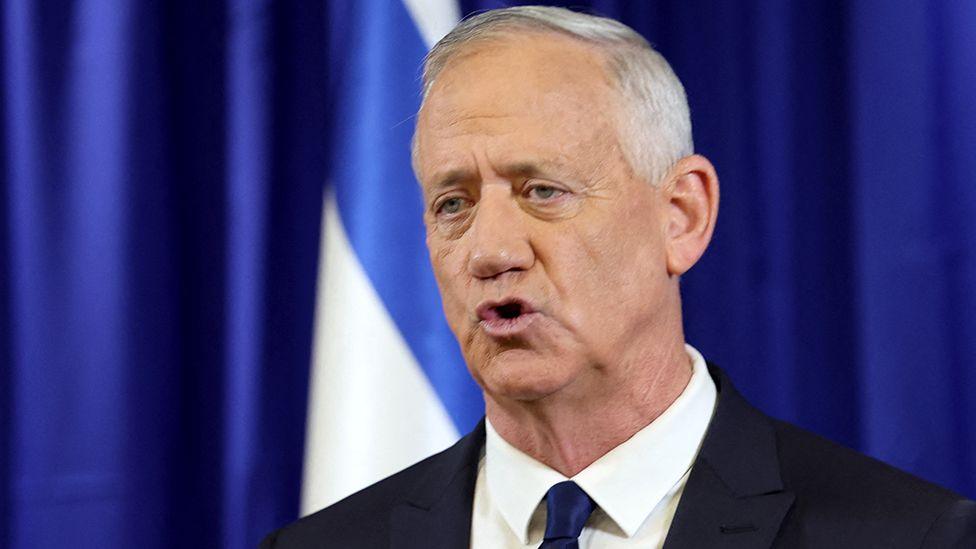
x,y
654,121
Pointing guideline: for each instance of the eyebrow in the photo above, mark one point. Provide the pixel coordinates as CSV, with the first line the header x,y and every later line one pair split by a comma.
x,y
453,177
520,169
529,169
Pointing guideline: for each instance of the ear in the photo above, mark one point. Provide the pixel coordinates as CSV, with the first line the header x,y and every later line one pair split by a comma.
x,y
691,190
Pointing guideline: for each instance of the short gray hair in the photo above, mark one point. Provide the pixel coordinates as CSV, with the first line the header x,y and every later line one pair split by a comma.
x,y
655,124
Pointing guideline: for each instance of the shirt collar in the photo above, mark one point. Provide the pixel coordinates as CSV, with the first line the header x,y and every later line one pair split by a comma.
x,y
627,482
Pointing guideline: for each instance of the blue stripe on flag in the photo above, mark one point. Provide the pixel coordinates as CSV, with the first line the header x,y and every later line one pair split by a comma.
x,y
378,198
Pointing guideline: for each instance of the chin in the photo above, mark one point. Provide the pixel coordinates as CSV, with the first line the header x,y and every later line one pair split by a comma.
x,y
520,374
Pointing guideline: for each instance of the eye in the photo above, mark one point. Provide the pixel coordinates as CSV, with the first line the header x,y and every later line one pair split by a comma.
x,y
544,192
451,205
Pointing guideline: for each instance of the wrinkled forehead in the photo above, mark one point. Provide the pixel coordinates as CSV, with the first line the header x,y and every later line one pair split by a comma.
x,y
542,85
535,63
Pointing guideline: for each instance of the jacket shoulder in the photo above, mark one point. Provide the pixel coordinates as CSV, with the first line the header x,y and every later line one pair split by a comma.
x,y
359,520
848,494
840,498
363,518
811,462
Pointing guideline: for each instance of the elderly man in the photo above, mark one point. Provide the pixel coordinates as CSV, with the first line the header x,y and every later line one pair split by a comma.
x,y
563,202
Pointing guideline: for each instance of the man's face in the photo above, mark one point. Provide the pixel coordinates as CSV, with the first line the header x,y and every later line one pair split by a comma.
x,y
548,250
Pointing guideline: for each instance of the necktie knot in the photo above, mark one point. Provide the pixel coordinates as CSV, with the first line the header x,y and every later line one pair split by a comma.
x,y
568,507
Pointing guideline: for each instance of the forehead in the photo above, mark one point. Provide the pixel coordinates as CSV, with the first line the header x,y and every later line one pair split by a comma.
x,y
542,94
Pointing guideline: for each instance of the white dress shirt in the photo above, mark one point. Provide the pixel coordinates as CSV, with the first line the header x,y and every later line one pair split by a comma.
x,y
636,486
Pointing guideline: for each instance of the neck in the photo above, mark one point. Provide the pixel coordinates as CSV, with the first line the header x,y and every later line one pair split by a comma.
x,y
571,429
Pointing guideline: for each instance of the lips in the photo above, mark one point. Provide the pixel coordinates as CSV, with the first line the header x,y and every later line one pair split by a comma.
x,y
506,318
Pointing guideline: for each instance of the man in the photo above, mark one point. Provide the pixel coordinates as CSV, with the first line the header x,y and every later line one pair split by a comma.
x,y
563,202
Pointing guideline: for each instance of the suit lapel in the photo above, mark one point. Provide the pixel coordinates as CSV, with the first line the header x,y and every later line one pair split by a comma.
x,y
436,513
709,515
734,496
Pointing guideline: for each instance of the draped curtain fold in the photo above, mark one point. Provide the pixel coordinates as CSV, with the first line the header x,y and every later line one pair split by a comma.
x,y
162,190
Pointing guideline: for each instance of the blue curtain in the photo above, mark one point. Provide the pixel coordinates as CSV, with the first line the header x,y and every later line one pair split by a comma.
x,y
161,171
161,194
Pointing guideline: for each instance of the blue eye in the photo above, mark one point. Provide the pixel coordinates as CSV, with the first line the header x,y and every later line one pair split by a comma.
x,y
544,192
451,206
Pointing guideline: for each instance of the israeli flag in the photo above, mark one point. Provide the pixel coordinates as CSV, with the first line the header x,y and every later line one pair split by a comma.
x,y
388,385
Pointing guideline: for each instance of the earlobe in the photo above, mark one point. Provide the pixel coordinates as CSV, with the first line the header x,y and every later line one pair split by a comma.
x,y
693,196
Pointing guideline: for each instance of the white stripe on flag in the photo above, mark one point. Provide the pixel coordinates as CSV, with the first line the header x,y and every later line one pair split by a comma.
x,y
371,411
434,18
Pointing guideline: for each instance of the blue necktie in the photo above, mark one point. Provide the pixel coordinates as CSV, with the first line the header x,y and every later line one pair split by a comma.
x,y
568,507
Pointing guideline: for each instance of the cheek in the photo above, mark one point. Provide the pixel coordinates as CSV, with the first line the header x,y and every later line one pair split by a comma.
x,y
448,265
612,271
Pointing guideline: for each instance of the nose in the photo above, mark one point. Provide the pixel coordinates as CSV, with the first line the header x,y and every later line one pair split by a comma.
x,y
499,240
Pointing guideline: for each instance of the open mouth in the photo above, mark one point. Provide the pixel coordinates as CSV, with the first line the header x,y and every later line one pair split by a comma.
x,y
506,318
508,309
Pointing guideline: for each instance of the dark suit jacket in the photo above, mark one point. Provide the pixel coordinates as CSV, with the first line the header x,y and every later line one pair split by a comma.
x,y
757,483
